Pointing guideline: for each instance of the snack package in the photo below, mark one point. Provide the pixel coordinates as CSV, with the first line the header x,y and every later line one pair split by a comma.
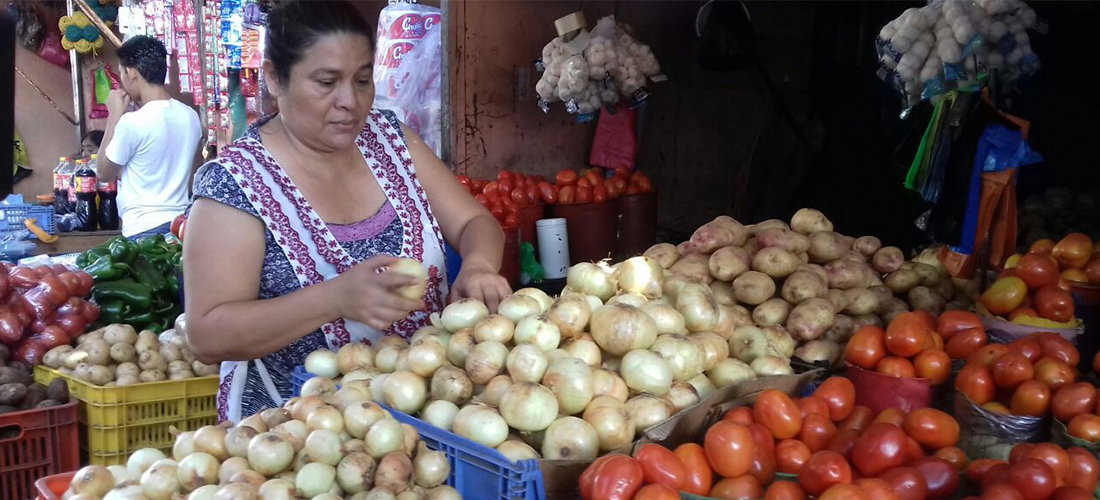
x,y
416,98
401,27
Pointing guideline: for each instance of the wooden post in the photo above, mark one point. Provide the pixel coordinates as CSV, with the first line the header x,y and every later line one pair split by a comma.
x,y
106,31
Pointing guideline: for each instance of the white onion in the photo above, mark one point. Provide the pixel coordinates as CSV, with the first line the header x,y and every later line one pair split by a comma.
x,y
645,371
729,372
748,343
141,460
128,492
211,439
322,363
594,302
538,330
294,432
697,305
375,494
540,296
326,417
314,479
430,468
629,298
385,436
318,386
494,327
249,477
608,383
324,446
570,438
236,491
517,450
276,489
427,332
443,492
440,413
198,469
517,307
304,406
571,314
256,422
272,417
585,349
160,481
613,425
527,406
646,411
354,356
237,439
355,473
703,386
365,375
394,473
481,424
359,417
231,467
494,390
570,379
591,279
684,355
270,453
425,357
640,275
184,445
402,363
556,354
527,363
351,393
682,395
93,481
414,269
405,392
208,492
353,445
780,341
451,384
464,313
379,382
612,363
386,358
412,437
120,473
460,345
485,361
715,348
771,365
666,318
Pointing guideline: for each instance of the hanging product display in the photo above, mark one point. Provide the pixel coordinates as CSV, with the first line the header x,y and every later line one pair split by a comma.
x,y
78,33
187,49
408,66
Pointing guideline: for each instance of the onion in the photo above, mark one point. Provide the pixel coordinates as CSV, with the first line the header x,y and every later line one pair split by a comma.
x,y
231,467
481,424
645,371
249,477
355,473
556,354
517,450
685,356
305,406
326,417
730,371
375,494
318,386
353,445
570,438
640,275
748,343
270,453
540,296
430,468
527,406
591,279
385,436
294,432
517,307
526,363
359,417
160,481
703,386
594,302
485,361
440,413
612,363
211,439
141,460
629,298
443,493
184,445
570,379
315,478
272,417
405,392
771,365
607,383
378,396
414,269
722,292
402,363
394,472
208,492
236,491
324,446
667,318
646,411
428,332
494,390
425,357
119,473
322,363
389,340
494,327
570,314
386,359
276,489
451,384
412,438
237,439
462,342
365,375
613,426
697,305
351,394
682,395
354,356
728,319
715,348
538,330
93,480
585,349
256,422
464,313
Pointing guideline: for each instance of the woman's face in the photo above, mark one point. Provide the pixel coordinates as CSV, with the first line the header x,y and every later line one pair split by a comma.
x,y
330,92
87,147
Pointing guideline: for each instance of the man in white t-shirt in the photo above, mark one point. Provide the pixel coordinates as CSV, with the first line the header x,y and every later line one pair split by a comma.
x,y
151,150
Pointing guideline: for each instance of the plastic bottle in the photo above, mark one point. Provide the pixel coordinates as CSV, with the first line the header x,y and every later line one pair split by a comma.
x,y
84,187
63,176
108,204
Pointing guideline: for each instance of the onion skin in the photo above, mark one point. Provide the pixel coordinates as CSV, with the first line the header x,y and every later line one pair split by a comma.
x,y
619,329
495,327
354,356
526,363
452,384
430,468
571,313
517,307
684,355
608,383
464,313
538,330
529,407
394,472
591,279
269,454
517,450
481,424
355,473
646,372
570,379
647,410
640,275
570,438
486,361
613,425
697,305
405,392
198,469
93,480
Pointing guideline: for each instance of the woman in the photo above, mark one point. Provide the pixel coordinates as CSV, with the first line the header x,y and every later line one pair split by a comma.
x,y
89,144
293,225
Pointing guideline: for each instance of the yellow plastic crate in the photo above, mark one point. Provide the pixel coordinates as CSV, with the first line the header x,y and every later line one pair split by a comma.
x,y
113,446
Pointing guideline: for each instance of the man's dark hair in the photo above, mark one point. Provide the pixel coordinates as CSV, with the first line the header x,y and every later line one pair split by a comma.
x,y
95,135
147,55
293,26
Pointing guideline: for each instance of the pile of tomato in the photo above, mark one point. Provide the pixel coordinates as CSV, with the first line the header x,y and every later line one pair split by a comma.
x,y
1036,472
42,307
590,186
1037,285
910,347
507,194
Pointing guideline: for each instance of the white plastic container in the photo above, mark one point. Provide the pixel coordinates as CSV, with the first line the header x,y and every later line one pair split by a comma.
x,y
553,247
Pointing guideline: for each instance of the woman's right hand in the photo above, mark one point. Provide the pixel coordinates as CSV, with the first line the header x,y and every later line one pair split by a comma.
x,y
369,296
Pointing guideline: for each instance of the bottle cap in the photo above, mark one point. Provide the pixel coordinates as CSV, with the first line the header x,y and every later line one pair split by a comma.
x,y
549,222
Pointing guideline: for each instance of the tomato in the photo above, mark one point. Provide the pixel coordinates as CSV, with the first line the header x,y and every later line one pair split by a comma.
x,y
843,442
952,322
907,482
594,178
934,365
584,183
965,342
1008,273
812,405
936,342
913,450
1085,426
817,431
483,200
791,455
566,178
1072,400
1001,492
1031,398
844,492
784,490
1092,269
986,355
1073,251
729,448
519,197
738,488
1005,295
1012,369
1054,346
505,174
822,470
532,194
698,475
940,477
584,194
976,470
660,465
997,407
778,413
1033,478
1037,270
896,367
511,220
763,457
548,192
932,428
954,456
1054,373
1096,363
866,347
656,492
881,447
740,415
876,488
1022,312
1019,452
176,223
906,335
839,394
1053,455
505,186
894,416
1075,276
599,193
611,477
1054,304
1084,470
976,382
612,188
566,195
1044,246
858,420
1070,493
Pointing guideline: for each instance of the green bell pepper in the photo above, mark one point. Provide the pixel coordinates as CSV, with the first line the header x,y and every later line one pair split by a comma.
x,y
139,320
145,272
173,284
112,311
106,269
122,250
151,244
138,296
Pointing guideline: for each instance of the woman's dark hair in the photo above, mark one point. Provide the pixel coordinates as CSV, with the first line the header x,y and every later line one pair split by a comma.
x,y
147,55
95,135
293,26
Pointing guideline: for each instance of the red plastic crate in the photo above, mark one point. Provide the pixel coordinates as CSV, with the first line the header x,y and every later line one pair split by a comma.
x,y
40,443
53,487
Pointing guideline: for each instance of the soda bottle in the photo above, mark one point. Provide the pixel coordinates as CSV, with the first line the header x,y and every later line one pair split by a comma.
x,y
66,180
84,187
59,194
108,206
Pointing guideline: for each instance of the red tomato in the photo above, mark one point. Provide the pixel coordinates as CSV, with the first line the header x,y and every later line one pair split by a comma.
x,y
843,442
490,188
548,192
482,199
1054,304
1043,246
965,342
1012,369
90,312
504,174
817,431
952,322
1085,426
907,482
896,367
858,420
986,355
1070,493
656,492
1084,470
1033,478
840,396
1092,269
844,492
1054,346
822,470
611,477
505,186
866,347
934,365
1019,452
584,194
1053,455
784,490
906,335
894,416
1054,374
1028,346
1037,270
1031,398
519,197
954,456
791,455
698,476
1072,400
620,185
644,184
594,178
940,477
566,178
729,448
1005,295
738,488
778,413
881,447
532,194
812,405
976,382
762,438
977,470
498,212
740,415
612,189
599,193
1073,251
913,451
1001,492
1075,276
996,474
566,195
932,428
661,466
584,183
876,488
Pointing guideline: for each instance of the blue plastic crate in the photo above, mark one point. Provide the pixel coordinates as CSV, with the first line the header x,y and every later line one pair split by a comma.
x,y
477,471
12,217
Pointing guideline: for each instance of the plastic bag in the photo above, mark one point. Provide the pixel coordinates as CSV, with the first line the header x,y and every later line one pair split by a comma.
x,y
51,50
401,27
416,98
987,434
615,143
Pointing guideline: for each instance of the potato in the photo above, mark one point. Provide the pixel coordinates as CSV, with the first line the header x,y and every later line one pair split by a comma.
x,y
922,298
888,259
803,285
93,335
58,391
202,370
99,352
727,263
775,262
819,351
810,319
151,360
783,238
664,253
902,280
772,312
929,276
170,352
152,376
816,269
54,357
845,274
723,292
83,372
35,394
74,358
127,369
740,316
885,297
804,258
751,246
867,245
117,333
826,246
753,288
178,366
123,352
854,256
861,301
945,288
720,232
768,224
866,320
146,341
99,375
842,329
695,266
838,298
808,220
12,394
128,380
181,375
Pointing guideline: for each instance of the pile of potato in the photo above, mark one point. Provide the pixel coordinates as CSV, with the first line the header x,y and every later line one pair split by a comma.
x,y
117,355
18,391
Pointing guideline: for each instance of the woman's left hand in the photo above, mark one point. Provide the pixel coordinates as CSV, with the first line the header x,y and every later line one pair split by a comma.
x,y
480,282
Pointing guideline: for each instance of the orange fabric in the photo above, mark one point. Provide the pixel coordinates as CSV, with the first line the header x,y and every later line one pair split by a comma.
x,y
996,221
